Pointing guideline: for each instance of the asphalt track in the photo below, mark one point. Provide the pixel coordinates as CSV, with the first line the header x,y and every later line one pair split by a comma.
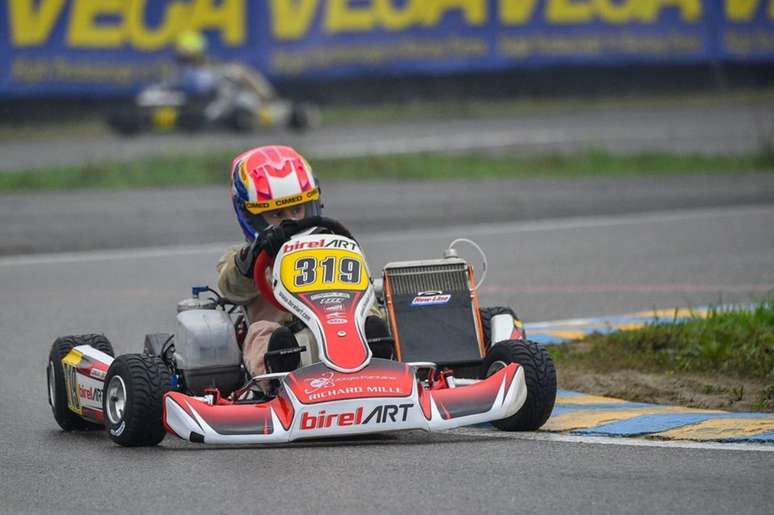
x,y
90,220
713,126
548,269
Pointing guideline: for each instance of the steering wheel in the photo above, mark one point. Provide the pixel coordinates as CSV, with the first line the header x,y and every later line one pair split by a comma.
x,y
281,234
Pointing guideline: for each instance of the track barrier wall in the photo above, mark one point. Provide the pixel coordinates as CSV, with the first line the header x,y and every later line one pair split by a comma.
x,y
109,47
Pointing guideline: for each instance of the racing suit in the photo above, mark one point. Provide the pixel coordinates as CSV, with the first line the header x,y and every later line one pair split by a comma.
x,y
200,80
250,79
263,317
195,81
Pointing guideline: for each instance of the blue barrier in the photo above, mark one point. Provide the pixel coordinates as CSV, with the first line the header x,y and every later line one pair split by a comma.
x,y
113,46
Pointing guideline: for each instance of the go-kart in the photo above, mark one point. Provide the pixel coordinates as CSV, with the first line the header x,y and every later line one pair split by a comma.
x,y
229,105
442,363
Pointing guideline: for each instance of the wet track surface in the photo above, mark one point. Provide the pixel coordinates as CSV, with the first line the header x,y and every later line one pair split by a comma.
x,y
95,220
556,249
418,472
719,127
545,268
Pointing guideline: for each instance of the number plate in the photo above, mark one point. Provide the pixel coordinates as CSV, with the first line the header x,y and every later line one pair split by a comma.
x,y
323,270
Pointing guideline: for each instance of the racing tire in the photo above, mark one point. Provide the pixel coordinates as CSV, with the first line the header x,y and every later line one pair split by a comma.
x,y
154,344
57,390
133,400
191,120
539,375
303,117
243,120
486,320
126,123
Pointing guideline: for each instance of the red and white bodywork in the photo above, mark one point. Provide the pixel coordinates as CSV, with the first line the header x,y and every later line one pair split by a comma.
x,y
324,281
84,370
506,327
318,402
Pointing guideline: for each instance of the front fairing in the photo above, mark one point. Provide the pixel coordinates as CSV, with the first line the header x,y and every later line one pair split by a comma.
x,y
323,279
316,402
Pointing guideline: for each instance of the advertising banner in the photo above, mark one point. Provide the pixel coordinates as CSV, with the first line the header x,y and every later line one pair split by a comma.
x,y
106,47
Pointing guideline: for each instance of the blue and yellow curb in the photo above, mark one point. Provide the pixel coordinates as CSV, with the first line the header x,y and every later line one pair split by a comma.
x,y
591,415
561,331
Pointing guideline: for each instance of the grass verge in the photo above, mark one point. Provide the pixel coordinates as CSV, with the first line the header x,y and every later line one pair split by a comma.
x,y
725,360
212,168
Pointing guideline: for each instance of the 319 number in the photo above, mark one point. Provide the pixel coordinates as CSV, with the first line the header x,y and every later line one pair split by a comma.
x,y
346,270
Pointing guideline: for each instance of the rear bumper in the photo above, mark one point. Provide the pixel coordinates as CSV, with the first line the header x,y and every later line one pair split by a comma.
x,y
285,419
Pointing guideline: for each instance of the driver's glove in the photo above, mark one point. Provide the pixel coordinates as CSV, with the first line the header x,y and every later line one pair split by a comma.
x,y
270,240
246,256
274,236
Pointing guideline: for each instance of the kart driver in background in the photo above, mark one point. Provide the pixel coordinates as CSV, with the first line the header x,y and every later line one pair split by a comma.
x,y
192,74
198,77
259,179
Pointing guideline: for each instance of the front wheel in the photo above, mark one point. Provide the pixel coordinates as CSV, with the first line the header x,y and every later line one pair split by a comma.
x,y
539,374
133,400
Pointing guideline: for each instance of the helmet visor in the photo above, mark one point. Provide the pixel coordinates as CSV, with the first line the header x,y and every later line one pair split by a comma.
x,y
257,208
259,222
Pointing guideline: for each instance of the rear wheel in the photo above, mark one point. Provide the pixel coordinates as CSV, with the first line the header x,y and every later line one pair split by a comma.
x,y
539,374
98,341
55,379
486,320
126,122
134,393
243,120
156,343
191,120
304,117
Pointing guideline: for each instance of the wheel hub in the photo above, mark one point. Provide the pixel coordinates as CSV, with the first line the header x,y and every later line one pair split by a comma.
x,y
115,400
51,384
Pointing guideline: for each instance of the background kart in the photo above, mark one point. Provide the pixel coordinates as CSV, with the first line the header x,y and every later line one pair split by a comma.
x,y
231,105
193,384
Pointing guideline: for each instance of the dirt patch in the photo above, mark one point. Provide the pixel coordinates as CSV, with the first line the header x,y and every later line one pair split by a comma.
x,y
683,389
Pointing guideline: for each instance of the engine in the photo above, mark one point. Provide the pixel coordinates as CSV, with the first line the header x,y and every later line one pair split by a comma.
x,y
206,351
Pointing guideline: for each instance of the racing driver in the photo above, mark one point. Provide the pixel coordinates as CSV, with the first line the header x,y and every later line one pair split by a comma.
x,y
262,179
198,76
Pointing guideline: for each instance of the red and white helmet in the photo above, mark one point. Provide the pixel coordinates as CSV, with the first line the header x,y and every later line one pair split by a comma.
x,y
268,179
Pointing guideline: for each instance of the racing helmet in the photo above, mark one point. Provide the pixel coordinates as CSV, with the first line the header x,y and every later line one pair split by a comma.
x,y
190,47
266,180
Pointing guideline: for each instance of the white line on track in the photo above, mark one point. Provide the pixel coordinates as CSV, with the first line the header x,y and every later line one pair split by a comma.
x,y
113,255
454,142
626,441
476,139
576,223
495,229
